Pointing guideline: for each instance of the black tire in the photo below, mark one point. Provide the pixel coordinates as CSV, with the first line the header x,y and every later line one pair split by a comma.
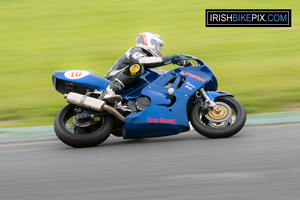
x,y
202,125
83,137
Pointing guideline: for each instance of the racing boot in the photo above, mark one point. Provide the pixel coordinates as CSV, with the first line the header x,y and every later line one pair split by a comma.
x,y
110,95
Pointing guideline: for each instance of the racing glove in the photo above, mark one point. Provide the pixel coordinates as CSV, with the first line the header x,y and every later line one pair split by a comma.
x,y
175,59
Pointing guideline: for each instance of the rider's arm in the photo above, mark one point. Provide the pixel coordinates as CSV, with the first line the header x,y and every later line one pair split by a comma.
x,y
138,56
151,62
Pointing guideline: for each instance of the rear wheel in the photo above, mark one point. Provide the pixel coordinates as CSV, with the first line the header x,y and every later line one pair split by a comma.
x,y
94,134
225,124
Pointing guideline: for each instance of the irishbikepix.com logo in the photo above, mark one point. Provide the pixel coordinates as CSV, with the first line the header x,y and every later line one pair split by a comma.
x,y
248,18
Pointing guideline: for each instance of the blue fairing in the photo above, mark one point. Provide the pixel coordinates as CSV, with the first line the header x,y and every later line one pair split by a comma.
x,y
165,117
133,90
88,79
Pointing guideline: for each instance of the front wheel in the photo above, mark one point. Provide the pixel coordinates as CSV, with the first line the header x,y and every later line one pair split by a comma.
x,y
72,135
225,124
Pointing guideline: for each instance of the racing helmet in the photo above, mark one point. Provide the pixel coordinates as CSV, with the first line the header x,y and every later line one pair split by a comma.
x,y
151,43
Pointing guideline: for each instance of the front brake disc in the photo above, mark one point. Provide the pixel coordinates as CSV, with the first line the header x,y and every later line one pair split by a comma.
x,y
222,116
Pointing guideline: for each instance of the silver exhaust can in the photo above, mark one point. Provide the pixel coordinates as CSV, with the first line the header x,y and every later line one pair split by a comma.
x,y
85,101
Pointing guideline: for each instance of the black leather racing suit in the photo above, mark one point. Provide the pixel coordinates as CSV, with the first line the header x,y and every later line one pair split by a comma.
x,y
120,75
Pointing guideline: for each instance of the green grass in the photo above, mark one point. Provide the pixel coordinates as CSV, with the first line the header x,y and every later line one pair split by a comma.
x,y
260,66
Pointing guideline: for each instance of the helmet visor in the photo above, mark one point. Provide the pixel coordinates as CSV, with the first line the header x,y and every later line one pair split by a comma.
x,y
157,46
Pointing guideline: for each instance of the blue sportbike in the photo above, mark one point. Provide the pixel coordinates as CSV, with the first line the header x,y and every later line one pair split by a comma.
x,y
159,103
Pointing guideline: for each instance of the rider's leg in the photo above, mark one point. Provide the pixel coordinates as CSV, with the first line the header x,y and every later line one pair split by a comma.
x,y
120,80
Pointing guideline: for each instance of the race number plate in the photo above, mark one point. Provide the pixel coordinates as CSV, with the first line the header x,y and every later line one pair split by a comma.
x,y
76,74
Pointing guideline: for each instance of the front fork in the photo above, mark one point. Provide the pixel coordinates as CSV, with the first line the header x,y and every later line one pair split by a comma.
x,y
210,102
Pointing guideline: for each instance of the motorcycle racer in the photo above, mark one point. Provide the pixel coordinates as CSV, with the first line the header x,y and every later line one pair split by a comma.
x,y
130,66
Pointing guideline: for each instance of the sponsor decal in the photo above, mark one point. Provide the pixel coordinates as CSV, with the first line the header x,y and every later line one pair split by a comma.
x,y
192,75
248,18
189,86
160,120
76,74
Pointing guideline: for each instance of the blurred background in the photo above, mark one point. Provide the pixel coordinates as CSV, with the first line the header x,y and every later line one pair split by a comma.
x,y
260,66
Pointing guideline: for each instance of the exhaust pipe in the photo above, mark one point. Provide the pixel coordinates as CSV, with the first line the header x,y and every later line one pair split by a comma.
x,y
92,103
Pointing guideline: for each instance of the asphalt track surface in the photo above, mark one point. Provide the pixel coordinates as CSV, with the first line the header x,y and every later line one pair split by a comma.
x,y
258,163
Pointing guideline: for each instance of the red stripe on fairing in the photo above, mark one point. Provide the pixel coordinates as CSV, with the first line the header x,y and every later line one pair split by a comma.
x,y
144,38
215,106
